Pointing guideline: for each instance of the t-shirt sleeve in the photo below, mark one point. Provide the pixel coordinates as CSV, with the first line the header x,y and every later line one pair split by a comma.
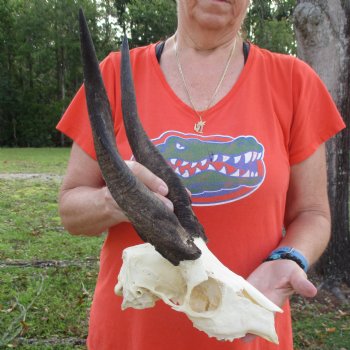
x,y
315,119
75,121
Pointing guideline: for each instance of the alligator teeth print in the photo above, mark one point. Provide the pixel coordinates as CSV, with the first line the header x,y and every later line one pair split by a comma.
x,y
216,169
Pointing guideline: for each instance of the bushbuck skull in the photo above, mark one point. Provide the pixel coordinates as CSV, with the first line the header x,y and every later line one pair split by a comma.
x,y
177,265
215,299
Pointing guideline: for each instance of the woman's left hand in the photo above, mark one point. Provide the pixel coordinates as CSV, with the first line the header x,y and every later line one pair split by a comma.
x,y
278,280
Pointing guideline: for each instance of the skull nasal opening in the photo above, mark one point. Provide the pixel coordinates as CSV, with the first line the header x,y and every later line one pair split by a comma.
x,y
206,296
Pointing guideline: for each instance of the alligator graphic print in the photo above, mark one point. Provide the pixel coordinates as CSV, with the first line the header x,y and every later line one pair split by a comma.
x,y
216,169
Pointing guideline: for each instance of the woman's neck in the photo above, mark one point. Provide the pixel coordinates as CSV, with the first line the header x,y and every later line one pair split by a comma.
x,y
204,44
204,40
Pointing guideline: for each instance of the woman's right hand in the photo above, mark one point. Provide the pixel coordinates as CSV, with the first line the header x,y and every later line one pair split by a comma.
x,y
149,179
85,203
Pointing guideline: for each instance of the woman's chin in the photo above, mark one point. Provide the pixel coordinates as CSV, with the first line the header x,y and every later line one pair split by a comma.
x,y
214,22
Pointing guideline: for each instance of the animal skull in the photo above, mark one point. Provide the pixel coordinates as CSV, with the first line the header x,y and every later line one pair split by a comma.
x,y
216,300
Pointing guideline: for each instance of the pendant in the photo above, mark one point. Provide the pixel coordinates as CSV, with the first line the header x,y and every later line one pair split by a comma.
x,y
198,127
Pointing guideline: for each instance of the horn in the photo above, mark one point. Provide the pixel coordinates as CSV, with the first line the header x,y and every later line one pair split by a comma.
x,y
152,220
147,154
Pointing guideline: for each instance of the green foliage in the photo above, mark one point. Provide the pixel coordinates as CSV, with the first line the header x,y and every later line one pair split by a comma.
x,y
40,66
151,21
269,25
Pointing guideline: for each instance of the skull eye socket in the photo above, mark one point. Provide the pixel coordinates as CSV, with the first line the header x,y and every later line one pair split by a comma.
x,y
206,296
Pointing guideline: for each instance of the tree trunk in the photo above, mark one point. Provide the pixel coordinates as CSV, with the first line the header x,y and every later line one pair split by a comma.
x,y
323,39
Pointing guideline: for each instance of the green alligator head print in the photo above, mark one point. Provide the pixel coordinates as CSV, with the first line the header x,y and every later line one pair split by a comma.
x,y
216,169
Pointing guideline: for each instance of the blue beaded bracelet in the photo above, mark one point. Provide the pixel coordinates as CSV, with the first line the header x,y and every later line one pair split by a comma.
x,y
289,254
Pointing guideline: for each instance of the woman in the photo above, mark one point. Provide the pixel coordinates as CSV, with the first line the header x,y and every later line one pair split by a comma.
x,y
258,122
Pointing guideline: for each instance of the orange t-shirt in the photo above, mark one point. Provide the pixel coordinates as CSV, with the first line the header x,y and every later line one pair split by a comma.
x,y
276,115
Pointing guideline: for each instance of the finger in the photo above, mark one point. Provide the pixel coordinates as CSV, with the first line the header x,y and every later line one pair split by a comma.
x,y
153,182
302,285
166,201
248,338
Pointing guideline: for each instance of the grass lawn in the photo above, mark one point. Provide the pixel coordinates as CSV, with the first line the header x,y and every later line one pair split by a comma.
x,y
47,307
323,323
33,160
46,303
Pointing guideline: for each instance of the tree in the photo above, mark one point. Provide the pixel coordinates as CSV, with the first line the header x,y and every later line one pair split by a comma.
x,y
8,103
151,21
121,6
40,65
269,25
323,36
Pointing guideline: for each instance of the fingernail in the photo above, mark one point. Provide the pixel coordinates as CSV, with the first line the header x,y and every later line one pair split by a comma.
x,y
170,205
248,338
163,190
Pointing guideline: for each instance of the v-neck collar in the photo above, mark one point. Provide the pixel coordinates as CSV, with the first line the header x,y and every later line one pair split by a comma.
x,y
211,111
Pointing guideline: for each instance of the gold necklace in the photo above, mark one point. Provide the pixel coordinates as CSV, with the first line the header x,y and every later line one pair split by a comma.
x,y
199,126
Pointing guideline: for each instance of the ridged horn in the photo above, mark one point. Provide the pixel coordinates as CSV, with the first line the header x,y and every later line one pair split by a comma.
x,y
147,154
152,220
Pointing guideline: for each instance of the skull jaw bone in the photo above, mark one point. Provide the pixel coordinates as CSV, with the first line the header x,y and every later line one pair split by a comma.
x,y
217,301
